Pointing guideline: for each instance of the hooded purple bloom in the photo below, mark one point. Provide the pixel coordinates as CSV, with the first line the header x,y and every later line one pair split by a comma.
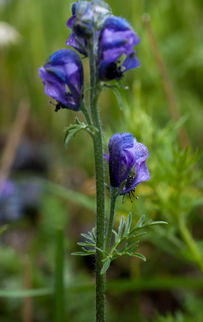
x,y
86,18
77,39
114,38
62,76
116,49
127,162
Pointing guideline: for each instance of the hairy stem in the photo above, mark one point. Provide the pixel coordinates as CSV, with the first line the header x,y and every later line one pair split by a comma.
x,y
114,195
86,113
99,168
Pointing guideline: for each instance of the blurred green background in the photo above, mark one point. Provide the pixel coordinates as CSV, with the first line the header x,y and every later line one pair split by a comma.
x,y
162,107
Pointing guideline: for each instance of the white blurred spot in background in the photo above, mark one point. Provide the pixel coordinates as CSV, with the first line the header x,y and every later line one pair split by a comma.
x,y
8,34
4,2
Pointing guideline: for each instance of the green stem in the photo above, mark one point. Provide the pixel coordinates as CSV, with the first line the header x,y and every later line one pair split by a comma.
x,y
100,188
86,113
190,242
59,276
114,195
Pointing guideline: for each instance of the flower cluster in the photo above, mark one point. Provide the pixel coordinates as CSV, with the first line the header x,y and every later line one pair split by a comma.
x,y
108,43
86,20
113,40
127,162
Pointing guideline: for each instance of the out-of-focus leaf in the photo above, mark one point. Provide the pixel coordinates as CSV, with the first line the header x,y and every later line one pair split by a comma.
x,y
69,194
26,293
3,229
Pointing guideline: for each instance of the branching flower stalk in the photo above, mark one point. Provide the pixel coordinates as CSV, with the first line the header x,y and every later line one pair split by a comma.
x,y
108,43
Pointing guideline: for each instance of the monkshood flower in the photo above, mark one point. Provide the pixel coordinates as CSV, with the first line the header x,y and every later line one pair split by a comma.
x,y
127,162
114,39
86,18
116,49
62,76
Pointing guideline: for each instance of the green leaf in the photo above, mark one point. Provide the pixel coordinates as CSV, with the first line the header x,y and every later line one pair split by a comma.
x,y
140,256
84,252
131,246
93,233
86,236
115,234
88,251
118,96
106,265
121,227
128,224
69,194
73,129
80,254
134,233
26,293
86,244
140,221
156,223
127,239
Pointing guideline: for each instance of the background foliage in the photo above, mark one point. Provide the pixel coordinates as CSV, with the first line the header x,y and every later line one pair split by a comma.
x,y
163,110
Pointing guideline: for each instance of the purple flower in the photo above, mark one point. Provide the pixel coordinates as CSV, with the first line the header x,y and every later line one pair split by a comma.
x,y
77,39
87,17
6,188
10,201
116,49
114,39
78,43
62,76
127,162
